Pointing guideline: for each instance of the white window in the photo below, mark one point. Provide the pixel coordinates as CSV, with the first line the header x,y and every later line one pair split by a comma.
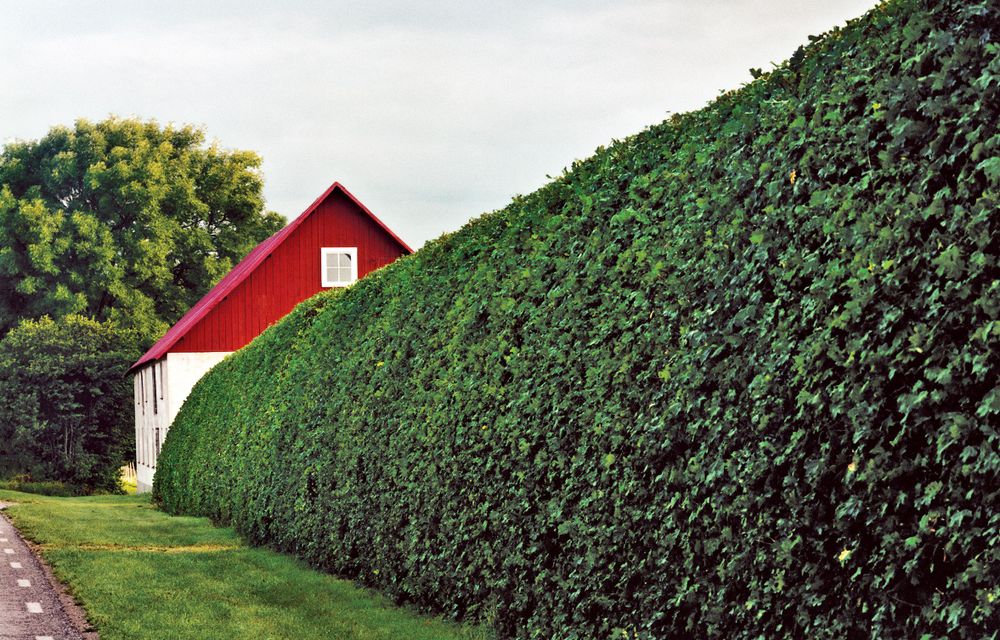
x,y
340,266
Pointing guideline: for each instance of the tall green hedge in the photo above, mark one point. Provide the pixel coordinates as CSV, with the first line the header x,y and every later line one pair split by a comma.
x,y
737,376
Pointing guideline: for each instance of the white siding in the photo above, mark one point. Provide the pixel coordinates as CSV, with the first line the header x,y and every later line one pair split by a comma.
x,y
157,406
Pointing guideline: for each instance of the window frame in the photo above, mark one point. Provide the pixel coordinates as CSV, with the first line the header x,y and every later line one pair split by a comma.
x,y
326,251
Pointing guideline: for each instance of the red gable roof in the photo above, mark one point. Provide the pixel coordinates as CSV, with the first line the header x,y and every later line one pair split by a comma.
x,y
241,271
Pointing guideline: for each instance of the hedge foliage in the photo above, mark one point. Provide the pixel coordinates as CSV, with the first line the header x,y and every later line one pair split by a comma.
x,y
736,376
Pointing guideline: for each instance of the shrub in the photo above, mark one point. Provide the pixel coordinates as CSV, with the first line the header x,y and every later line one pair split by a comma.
x,y
65,405
47,488
735,376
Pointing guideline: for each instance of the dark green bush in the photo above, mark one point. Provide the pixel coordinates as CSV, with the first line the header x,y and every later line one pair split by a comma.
x,y
65,404
44,488
736,376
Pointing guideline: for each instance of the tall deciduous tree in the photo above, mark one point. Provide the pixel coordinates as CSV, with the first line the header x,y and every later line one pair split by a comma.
x,y
123,220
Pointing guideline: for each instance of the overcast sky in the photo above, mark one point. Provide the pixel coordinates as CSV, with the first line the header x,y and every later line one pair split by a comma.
x,y
430,113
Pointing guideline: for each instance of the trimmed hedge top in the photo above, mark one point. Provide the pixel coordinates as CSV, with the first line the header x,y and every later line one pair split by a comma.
x,y
736,376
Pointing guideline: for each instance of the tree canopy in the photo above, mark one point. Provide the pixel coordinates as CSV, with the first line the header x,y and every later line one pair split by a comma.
x,y
123,220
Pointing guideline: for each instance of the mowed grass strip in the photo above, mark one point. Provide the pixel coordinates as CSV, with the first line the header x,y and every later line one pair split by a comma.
x,y
142,574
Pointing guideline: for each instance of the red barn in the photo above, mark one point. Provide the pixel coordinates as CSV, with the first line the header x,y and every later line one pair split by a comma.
x,y
331,244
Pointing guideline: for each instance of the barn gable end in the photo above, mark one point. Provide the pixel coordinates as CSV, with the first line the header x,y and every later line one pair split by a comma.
x,y
278,274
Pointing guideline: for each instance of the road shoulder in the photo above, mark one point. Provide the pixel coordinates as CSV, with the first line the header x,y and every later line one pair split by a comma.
x,y
33,603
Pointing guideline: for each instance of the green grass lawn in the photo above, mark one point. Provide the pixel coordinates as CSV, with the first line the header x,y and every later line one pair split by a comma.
x,y
142,574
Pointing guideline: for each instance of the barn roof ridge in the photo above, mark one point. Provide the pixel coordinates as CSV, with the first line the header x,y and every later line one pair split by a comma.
x,y
242,270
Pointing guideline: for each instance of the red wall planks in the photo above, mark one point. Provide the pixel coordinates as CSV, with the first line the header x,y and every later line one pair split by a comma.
x,y
290,274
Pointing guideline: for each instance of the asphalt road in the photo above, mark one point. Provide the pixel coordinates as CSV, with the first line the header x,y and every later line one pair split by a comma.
x,y
29,606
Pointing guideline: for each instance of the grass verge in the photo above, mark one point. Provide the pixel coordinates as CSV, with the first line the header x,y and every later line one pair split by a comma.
x,y
143,575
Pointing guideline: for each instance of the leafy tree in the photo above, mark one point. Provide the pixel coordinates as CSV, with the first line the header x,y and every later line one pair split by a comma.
x,y
65,410
123,220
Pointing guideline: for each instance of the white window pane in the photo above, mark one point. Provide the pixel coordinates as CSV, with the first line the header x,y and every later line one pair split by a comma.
x,y
338,267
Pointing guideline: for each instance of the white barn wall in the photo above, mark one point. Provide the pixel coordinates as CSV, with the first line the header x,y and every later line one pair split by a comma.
x,y
156,405
184,370
151,420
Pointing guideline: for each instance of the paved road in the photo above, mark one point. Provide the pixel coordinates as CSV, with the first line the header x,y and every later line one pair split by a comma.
x,y
29,606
